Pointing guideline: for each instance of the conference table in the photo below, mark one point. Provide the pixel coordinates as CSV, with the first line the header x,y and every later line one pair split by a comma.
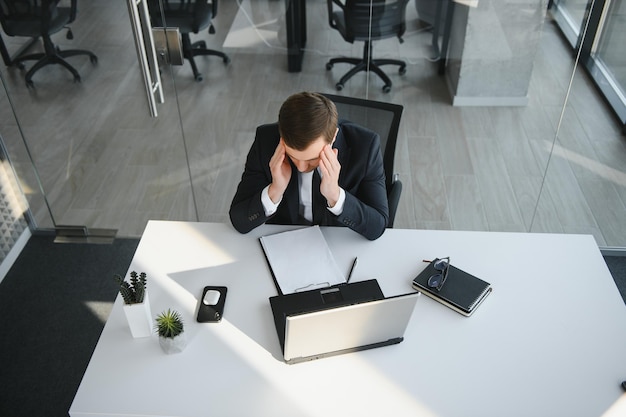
x,y
550,340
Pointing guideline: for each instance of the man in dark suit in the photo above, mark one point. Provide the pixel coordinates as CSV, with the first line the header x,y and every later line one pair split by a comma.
x,y
310,168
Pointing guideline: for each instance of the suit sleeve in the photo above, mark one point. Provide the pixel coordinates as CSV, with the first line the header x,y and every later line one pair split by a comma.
x,y
366,210
246,210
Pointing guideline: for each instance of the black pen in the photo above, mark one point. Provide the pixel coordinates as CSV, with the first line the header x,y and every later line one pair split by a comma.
x,y
356,260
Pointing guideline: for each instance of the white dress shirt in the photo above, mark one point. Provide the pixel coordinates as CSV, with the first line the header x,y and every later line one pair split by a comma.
x,y
305,182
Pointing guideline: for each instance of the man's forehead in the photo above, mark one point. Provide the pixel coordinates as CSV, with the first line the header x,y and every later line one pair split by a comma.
x,y
310,153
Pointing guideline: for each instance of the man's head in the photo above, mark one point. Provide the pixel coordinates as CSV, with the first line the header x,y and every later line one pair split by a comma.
x,y
305,117
307,122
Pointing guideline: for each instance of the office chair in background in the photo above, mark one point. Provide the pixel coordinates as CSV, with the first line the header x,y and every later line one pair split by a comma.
x,y
367,20
41,18
190,16
384,119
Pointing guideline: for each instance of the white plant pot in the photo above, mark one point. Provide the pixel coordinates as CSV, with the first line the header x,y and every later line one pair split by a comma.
x,y
173,344
139,318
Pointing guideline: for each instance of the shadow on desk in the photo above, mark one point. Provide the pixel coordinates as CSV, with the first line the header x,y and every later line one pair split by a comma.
x,y
188,285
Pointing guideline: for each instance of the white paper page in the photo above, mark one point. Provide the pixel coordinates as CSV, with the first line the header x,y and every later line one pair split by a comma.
x,y
301,260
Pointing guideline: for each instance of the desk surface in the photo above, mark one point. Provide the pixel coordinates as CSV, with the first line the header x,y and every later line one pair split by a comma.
x,y
549,341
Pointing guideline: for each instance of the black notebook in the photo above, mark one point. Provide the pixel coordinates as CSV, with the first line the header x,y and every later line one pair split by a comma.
x,y
461,292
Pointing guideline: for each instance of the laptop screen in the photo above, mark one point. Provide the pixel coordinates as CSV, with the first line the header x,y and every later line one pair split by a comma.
x,y
349,328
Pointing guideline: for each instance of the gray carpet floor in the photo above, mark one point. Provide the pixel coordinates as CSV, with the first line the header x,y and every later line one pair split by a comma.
x,y
55,300
617,266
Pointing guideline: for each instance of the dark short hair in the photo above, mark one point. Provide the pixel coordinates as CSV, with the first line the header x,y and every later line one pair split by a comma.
x,y
304,117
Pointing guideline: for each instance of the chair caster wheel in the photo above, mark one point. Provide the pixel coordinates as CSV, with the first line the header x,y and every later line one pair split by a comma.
x,y
77,79
339,86
198,77
402,70
226,60
29,84
386,88
329,66
93,59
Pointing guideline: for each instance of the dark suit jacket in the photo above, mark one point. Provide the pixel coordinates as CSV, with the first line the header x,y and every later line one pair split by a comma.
x,y
362,177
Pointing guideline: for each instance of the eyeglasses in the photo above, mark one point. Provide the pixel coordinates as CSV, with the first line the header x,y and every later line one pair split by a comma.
x,y
442,265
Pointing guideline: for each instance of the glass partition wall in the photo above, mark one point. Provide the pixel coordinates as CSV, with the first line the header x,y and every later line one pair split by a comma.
x,y
585,183
596,28
89,153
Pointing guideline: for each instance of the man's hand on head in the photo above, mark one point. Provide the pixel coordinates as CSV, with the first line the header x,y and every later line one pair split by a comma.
x,y
330,168
281,172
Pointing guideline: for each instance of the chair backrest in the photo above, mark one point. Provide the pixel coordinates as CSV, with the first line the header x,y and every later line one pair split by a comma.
x,y
189,15
374,19
382,118
29,18
21,17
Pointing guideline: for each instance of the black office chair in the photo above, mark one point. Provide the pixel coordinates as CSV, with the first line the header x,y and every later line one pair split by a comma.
x,y
367,20
41,18
190,16
384,119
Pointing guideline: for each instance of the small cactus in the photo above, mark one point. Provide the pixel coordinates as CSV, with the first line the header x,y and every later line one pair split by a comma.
x,y
169,323
133,292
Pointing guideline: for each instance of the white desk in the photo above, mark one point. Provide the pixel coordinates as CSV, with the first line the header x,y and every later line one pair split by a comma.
x,y
549,341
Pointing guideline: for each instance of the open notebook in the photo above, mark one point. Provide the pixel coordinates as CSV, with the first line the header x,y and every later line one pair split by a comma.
x,y
301,260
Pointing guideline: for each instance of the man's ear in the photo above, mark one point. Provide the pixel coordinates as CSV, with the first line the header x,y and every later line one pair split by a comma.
x,y
334,138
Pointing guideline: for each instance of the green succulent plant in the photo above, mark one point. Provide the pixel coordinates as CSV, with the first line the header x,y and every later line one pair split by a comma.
x,y
169,323
133,292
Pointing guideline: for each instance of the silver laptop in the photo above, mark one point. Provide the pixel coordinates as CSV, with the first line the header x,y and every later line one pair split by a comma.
x,y
350,328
